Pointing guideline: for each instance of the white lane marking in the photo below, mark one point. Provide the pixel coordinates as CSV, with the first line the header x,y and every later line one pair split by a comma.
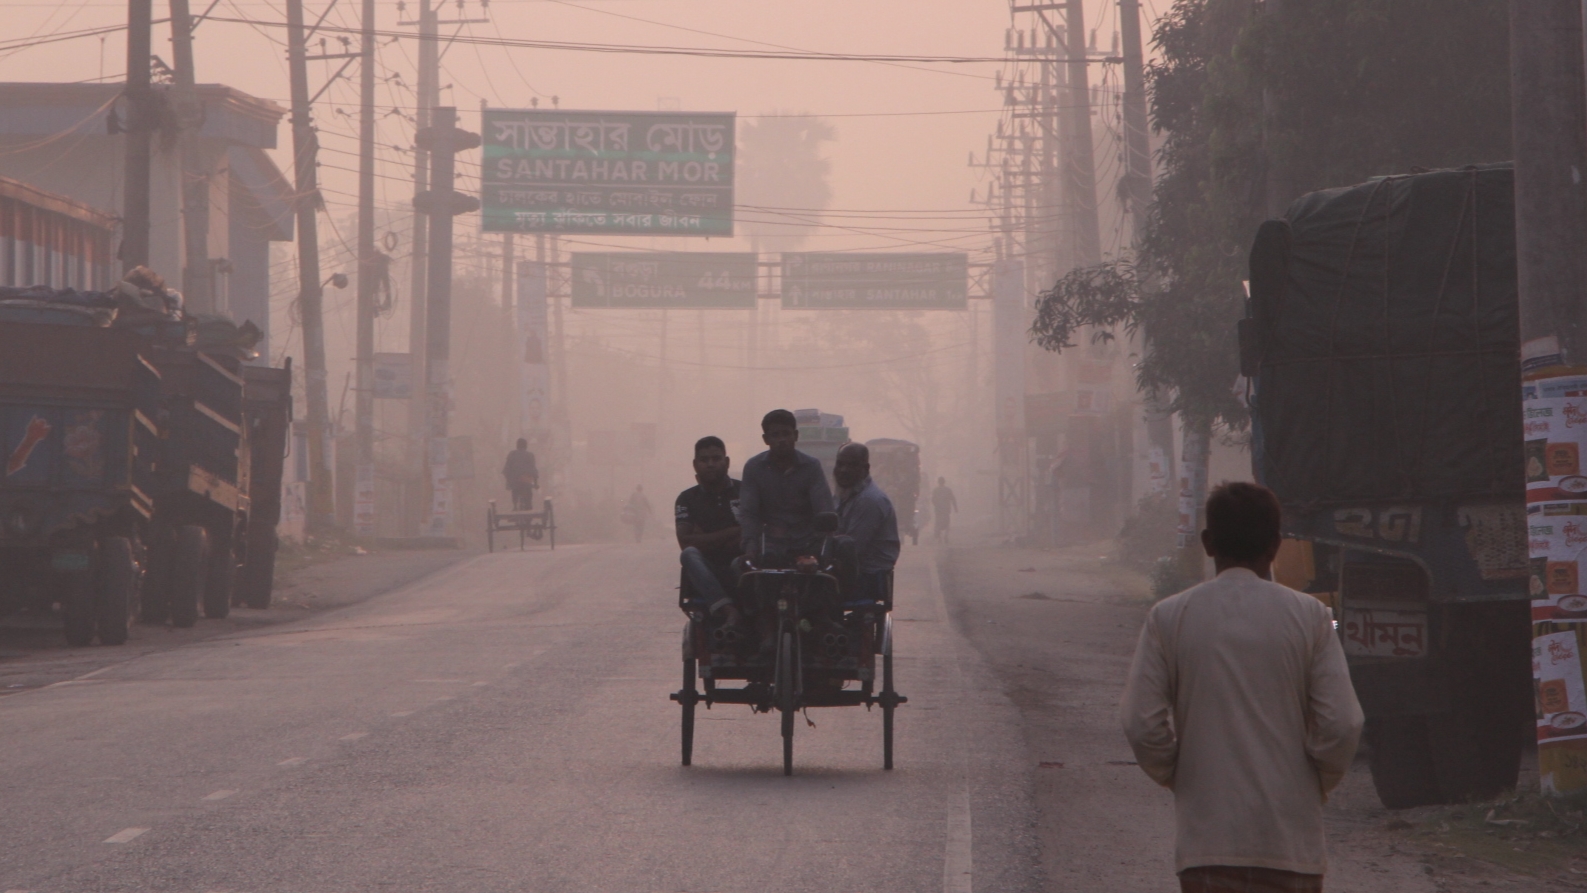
x,y
511,666
218,795
958,874
443,681
353,736
126,835
401,713
444,698
289,762
481,682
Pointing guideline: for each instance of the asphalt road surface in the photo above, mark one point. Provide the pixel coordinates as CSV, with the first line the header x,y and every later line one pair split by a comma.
x,y
504,725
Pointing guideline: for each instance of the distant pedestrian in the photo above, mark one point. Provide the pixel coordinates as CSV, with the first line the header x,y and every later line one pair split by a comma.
x,y
1239,702
942,504
522,476
636,512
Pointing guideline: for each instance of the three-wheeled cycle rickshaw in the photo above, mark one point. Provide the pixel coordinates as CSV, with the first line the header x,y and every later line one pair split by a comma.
x,y
530,525
803,643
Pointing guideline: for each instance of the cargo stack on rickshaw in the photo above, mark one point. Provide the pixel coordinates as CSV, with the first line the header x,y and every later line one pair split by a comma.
x,y
129,463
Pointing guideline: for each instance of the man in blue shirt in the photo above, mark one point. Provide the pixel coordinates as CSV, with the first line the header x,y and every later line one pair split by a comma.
x,y
865,517
780,495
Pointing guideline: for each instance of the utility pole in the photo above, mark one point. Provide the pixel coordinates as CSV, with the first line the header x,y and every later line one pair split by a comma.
x,y
198,275
1138,190
441,203
364,404
311,291
428,91
1080,182
1549,126
1279,187
138,133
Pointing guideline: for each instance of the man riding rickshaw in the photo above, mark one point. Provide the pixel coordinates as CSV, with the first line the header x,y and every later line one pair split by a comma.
x,y
803,612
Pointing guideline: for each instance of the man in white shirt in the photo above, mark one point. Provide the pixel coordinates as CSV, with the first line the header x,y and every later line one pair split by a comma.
x,y
1239,701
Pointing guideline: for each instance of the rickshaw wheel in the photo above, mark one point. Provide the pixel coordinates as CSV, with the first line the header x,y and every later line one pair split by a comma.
x,y
785,699
688,710
887,711
490,528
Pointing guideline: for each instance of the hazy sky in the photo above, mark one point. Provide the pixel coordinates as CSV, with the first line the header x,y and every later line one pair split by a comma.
x,y
889,158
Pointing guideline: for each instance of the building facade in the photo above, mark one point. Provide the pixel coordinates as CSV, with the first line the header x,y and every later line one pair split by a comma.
x,y
64,139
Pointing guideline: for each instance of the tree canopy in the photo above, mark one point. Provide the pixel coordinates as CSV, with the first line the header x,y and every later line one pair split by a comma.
x,y
1332,92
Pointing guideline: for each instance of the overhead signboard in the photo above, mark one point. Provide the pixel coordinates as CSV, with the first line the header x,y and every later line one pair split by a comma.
x,y
629,279
643,173
884,281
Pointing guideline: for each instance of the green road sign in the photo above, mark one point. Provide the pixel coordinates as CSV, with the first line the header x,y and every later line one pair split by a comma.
x,y
650,173
663,279
882,281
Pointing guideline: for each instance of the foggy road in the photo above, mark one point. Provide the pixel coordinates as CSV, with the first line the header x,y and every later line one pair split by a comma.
x,y
504,725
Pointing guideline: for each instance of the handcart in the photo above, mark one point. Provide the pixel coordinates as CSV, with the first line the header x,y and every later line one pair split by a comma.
x,y
530,525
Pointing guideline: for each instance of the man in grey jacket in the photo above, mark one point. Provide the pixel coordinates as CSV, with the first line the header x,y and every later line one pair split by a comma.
x,y
1239,701
780,495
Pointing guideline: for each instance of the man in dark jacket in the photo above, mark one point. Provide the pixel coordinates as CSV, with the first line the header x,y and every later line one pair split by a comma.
x,y
707,526
522,476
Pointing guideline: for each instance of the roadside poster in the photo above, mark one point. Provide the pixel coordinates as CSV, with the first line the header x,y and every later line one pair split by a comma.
x,y
639,173
364,499
1561,694
534,358
393,376
1554,419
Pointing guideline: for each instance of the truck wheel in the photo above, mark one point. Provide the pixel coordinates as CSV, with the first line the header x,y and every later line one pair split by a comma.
x,y
221,577
187,568
77,608
154,602
1403,771
116,587
258,572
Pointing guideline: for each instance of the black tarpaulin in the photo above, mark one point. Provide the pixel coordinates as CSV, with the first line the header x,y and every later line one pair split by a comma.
x,y
1383,332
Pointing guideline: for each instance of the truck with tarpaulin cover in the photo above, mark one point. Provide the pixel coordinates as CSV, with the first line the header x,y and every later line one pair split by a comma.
x,y
188,481
79,405
1380,347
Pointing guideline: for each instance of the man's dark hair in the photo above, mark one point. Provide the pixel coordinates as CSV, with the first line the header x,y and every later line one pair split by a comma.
x,y
1243,520
708,441
776,418
523,444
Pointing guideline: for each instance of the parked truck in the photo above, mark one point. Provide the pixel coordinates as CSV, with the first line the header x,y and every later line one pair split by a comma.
x,y
79,405
129,429
895,466
1381,350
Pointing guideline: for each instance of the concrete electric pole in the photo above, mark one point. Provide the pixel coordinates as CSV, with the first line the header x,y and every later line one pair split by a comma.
x,y
441,203
138,131
311,291
428,90
364,404
1549,121
198,275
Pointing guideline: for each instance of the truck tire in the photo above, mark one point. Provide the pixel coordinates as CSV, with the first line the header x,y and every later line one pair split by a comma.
x,y
187,568
77,608
257,579
116,590
220,577
154,600
1401,760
